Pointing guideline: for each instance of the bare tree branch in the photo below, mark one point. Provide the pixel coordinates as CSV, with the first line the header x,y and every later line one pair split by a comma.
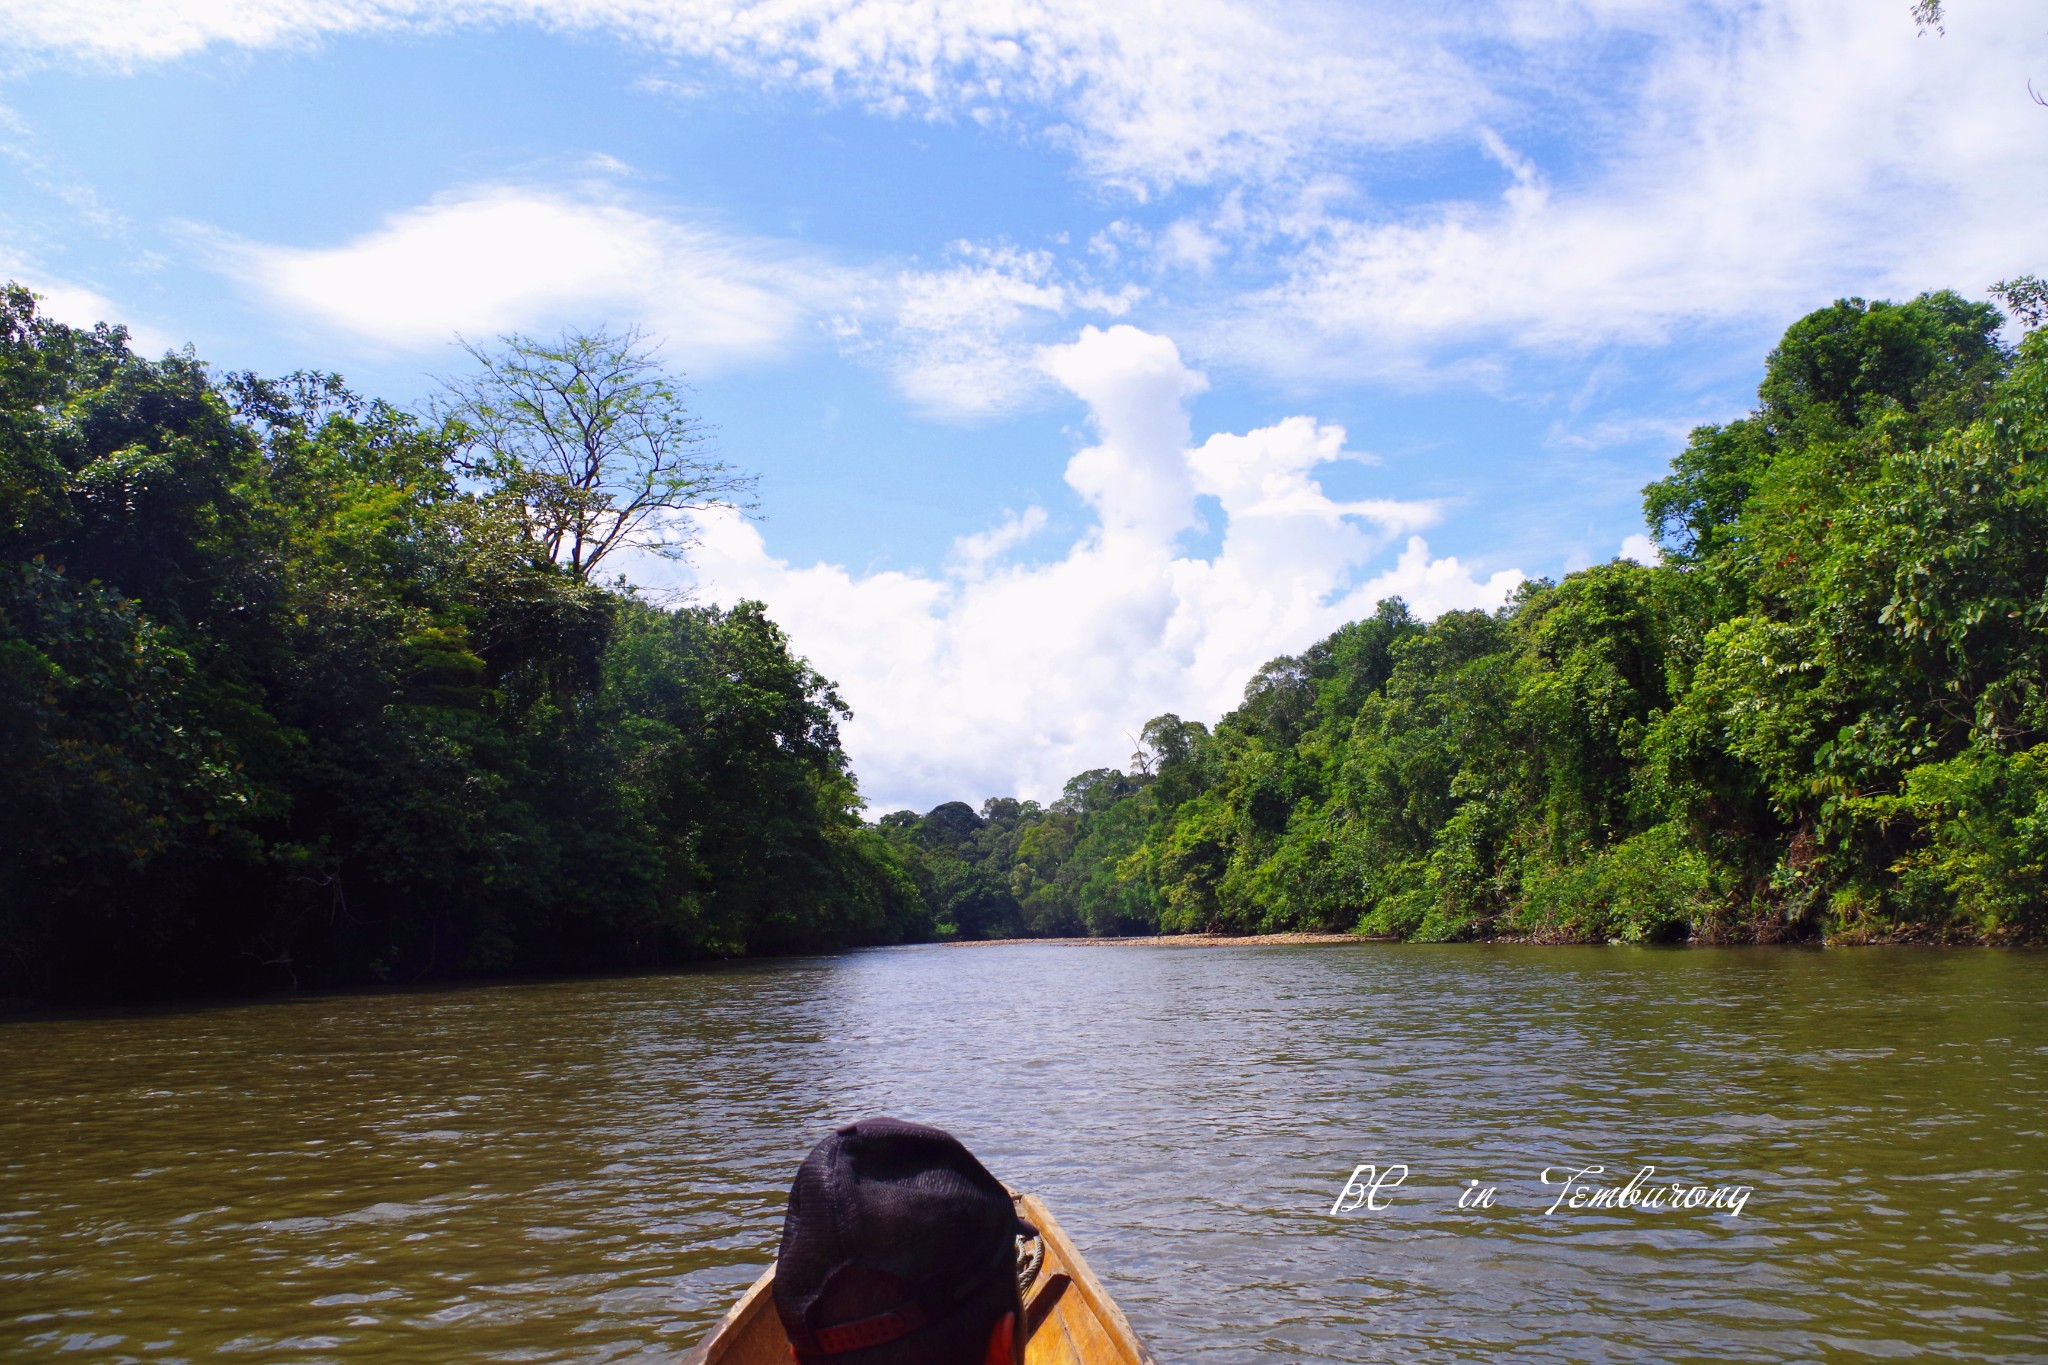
x,y
591,437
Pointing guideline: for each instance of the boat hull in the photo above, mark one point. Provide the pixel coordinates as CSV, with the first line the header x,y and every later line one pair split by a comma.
x,y
1069,1318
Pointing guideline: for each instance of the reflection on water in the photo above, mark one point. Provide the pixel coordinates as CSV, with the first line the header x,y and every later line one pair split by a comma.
x,y
591,1170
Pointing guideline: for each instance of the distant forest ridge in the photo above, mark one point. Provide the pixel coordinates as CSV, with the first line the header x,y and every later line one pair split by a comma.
x,y
298,689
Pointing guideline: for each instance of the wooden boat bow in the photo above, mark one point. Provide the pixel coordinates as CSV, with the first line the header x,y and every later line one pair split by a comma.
x,y
1069,1317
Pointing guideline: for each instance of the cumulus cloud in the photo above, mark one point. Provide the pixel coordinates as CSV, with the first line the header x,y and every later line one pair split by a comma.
x,y
1000,677
502,258
1641,549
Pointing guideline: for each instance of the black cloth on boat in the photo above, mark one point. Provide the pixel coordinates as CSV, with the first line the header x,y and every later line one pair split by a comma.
x,y
899,1248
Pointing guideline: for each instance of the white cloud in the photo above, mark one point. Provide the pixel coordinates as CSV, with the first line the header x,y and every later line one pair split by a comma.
x,y
1147,98
127,34
1661,165
1641,549
1763,159
70,304
1138,478
959,340
1000,678
1185,243
499,259
19,145
77,306
973,553
1611,429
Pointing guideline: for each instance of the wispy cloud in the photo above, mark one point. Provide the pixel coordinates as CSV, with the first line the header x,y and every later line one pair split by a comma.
x,y
1773,156
19,145
974,553
1730,161
78,305
1146,98
958,338
503,258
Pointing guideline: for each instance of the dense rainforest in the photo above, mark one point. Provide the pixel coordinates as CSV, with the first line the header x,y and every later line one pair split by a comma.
x,y
295,690
300,689
1824,713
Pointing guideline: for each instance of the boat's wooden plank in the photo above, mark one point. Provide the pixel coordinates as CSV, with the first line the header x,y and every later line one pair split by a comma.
x,y
1045,1295
1086,1335
1072,1335
1090,1319
1049,1336
749,1334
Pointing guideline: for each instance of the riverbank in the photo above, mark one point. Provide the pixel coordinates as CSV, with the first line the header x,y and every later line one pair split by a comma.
x,y
1923,939
1177,940
12,1009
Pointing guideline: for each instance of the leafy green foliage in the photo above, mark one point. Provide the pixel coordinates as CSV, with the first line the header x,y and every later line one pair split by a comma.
x,y
290,695
2025,297
286,699
1823,713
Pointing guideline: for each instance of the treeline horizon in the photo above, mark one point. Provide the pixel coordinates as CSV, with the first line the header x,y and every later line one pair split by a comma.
x,y
298,689
1822,715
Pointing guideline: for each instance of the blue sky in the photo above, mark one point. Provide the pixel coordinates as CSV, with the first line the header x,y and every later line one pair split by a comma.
x,y
1088,357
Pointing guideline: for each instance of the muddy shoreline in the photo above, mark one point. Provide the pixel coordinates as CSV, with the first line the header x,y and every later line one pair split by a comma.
x,y
1255,940
1174,940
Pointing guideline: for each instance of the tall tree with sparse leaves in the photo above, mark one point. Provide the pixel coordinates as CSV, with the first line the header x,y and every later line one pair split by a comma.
x,y
591,439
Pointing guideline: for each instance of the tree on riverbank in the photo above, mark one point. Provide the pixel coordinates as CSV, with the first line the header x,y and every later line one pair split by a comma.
x,y
1825,711
285,699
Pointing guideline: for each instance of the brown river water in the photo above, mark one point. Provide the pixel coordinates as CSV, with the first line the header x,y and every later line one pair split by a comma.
x,y
592,1170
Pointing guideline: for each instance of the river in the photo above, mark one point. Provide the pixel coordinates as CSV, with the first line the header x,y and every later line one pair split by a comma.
x,y
592,1170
